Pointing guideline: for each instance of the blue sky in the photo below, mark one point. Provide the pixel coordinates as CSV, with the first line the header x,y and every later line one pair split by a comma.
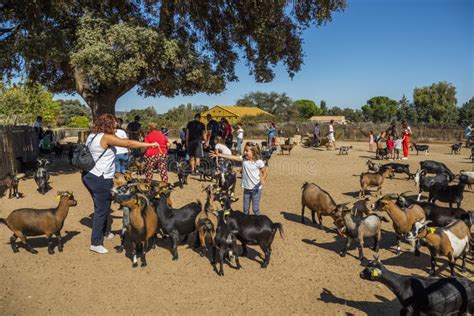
x,y
374,47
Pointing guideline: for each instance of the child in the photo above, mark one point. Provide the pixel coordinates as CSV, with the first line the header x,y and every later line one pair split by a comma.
x,y
391,147
371,141
254,174
398,147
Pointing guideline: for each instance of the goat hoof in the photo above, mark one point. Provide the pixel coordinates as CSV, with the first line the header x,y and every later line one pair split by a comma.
x,y
16,250
35,252
432,273
342,254
143,265
51,252
135,265
60,249
175,258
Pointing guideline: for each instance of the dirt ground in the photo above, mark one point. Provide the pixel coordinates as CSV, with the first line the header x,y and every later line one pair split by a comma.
x,y
306,275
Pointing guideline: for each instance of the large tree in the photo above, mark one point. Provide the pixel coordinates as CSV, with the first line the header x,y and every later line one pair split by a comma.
x,y
436,103
466,112
307,108
380,109
102,49
273,102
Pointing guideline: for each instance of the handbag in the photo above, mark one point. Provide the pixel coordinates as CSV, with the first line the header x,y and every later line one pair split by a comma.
x,y
82,157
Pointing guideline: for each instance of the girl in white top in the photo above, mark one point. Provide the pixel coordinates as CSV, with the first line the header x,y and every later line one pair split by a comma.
x,y
98,181
254,175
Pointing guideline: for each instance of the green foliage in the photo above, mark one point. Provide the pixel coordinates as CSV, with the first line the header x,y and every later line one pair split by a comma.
x,y
307,108
353,115
101,49
278,104
21,103
179,116
436,103
466,112
380,109
70,109
79,122
323,107
254,120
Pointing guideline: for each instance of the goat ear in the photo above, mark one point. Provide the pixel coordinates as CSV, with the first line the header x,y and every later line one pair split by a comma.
x,y
376,258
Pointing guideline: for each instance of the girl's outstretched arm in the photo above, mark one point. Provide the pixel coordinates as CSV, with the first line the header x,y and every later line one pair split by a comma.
x,y
213,154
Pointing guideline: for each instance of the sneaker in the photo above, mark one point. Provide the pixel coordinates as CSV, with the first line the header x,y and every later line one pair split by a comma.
x,y
405,158
99,249
109,236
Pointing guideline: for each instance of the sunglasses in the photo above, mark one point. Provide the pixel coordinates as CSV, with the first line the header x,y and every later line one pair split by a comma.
x,y
251,143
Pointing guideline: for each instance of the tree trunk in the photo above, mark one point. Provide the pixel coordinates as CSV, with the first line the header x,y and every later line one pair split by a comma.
x,y
101,104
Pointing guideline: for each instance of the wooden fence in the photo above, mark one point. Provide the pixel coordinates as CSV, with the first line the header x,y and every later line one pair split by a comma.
x,y
16,141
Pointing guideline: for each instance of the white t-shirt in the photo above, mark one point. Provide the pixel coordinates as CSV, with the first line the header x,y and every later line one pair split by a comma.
x,y
223,149
251,173
398,144
120,133
240,133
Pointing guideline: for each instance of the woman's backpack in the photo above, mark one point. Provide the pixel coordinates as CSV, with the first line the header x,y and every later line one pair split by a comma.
x,y
82,157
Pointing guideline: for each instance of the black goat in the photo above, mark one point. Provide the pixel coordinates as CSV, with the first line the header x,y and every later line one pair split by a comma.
x,y
226,245
425,183
27,167
431,166
399,168
456,149
176,222
425,296
381,153
184,169
419,147
449,193
266,154
438,215
251,229
42,176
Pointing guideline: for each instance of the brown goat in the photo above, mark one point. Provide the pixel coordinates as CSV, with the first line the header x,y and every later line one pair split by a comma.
x,y
402,220
368,179
11,181
36,222
318,201
206,221
284,147
142,227
451,241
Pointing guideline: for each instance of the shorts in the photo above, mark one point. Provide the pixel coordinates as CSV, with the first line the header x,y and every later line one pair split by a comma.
x,y
390,151
195,149
331,138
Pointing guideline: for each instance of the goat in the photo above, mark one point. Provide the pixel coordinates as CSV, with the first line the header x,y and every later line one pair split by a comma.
x,y
251,229
361,207
206,221
469,175
27,167
420,147
266,154
381,153
472,153
286,147
184,169
142,227
456,149
35,222
11,181
425,183
437,215
399,168
358,228
402,220
318,201
372,166
368,179
176,222
451,241
344,150
264,144
42,176
448,193
226,245
424,296
431,166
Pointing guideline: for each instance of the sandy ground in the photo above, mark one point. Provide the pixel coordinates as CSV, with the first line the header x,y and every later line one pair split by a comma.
x,y
306,274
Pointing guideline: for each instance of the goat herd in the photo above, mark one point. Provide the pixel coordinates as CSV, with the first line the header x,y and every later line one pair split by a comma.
x,y
149,213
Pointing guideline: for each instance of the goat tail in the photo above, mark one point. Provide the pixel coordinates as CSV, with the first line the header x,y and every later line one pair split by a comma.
x,y
279,227
3,221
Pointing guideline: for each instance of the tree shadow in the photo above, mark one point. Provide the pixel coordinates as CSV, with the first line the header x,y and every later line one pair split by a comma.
x,y
384,307
42,242
409,261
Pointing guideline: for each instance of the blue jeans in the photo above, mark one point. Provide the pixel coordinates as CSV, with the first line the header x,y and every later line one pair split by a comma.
x,y
239,145
254,196
99,188
121,162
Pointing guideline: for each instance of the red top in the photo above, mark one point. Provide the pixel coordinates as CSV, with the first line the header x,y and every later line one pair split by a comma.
x,y
227,131
390,144
160,138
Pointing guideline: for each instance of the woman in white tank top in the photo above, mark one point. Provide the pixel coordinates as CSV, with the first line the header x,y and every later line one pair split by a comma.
x,y
98,181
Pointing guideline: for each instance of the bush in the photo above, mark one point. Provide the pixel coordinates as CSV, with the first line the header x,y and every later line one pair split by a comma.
x,y
79,122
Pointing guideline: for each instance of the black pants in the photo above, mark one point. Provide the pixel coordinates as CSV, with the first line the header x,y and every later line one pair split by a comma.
x,y
99,188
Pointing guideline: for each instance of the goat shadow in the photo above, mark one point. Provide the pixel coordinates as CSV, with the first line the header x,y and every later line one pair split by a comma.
x,y
42,242
308,222
336,246
384,307
407,259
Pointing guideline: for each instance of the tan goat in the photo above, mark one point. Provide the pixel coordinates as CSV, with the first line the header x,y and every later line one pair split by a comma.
x,y
368,179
